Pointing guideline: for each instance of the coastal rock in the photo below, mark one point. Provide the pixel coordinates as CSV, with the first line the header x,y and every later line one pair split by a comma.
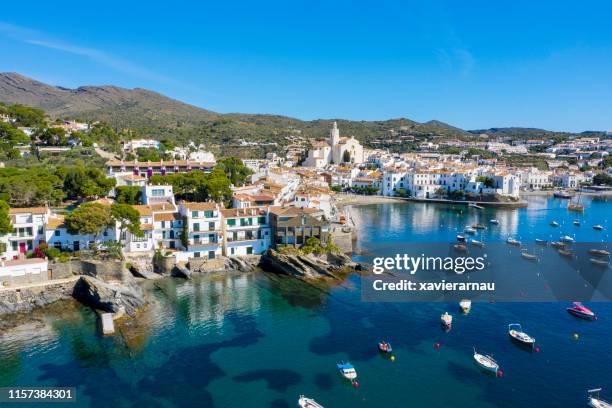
x,y
109,297
180,271
306,266
26,300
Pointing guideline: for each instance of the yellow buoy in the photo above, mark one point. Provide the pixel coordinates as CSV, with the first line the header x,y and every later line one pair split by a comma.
x,y
576,336
392,358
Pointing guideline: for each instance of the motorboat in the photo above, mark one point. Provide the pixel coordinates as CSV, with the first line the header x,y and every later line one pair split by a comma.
x,y
599,262
567,238
494,222
460,247
465,305
478,207
579,310
595,401
599,252
598,227
515,330
347,370
486,362
529,256
557,244
305,402
541,241
554,224
564,252
446,320
577,223
385,347
477,243
513,241
460,238
562,194
478,226
469,230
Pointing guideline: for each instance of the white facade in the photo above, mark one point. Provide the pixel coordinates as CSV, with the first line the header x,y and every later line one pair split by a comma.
x,y
246,231
333,150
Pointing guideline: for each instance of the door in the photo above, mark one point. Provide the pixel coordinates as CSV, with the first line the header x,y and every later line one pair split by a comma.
x,y
22,247
76,246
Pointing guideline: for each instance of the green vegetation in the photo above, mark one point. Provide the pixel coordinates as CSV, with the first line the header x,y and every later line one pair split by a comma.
x,y
128,218
31,187
487,181
89,219
234,169
313,246
198,186
24,115
86,182
5,220
367,190
128,195
9,138
602,179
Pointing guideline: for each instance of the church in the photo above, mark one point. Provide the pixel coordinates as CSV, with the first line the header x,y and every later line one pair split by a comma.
x,y
335,150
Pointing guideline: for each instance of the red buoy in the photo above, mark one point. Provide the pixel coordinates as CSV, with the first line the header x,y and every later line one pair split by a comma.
x,y
500,373
356,384
537,349
437,345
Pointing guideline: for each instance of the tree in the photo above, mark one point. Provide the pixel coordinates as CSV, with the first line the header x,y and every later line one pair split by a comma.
x,y
89,219
486,181
235,170
602,179
26,116
127,217
51,136
5,220
216,187
148,154
87,182
346,156
128,195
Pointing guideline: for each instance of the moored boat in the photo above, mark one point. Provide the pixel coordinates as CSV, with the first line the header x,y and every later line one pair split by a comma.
x,y
557,244
465,305
575,207
460,247
599,252
494,221
595,401
577,223
554,224
541,241
477,243
599,262
564,252
515,330
486,362
513,241
469,230
529,256
478,207
598,227
385,347
567,238
478,226
305,402
446,320
460,238
347,370
579,310
562,194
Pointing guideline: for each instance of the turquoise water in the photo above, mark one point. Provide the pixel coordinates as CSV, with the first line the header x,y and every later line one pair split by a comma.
x,y
258,340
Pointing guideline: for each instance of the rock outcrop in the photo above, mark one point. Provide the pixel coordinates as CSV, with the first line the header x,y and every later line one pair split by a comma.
x,y
306,266
109,297
26,300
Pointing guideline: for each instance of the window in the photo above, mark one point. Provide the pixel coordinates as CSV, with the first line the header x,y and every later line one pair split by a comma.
x,y
232,251
194,214
2,247
261,220
211,226
196,226
157,192
249,250
40,230
231,222
196,254
211,254
208,214
57,233
14,245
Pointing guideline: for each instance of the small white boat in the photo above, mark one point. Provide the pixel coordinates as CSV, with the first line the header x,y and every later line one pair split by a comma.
x,y
347,370
599,262
516,332
567,238
494,221
595,401
554,224
446,320
541,241
479,207
577,223
465,305
486,362
562,194
599,252
477,243
598,227
529,256
513,241
306,402
469,230
460,247
460,238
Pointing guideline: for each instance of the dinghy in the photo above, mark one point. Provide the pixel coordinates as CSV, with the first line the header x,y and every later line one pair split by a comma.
x,y
446,320
460,238
528,256
385,347
478,226
460,247
494,222
598,227
486,362
579,310
515,331
477,243
347,370
305,402
557,244
513,241
567,238
554,224
564,252
541,241
577,223
469,230
465,305
599,252
562,194
595,401
599,262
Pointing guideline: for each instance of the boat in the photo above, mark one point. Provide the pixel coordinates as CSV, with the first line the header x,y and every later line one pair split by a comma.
x,y
595,401
460,247
564,252
305,402
598,227
577,223
515,330
529,256
554,224
513,241
347,370
494,221
477,243
486,362
469,230
446,320
562,194
599,252
478,226
478,207
385,347
599,262
579,310
541,241
557,244
567,238
465,305
460,238
575,205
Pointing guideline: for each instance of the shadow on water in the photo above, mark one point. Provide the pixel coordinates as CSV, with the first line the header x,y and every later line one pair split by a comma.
x,y
276,379
279,403
324,381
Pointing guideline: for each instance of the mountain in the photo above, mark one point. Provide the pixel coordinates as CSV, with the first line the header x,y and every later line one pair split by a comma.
x,y
534,133
118,106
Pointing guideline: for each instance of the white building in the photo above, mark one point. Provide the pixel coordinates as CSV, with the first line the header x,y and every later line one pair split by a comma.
x,y
246,231
135,144
204,230
333,150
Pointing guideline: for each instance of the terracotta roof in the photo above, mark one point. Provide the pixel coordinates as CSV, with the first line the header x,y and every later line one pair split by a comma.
x,y
293,210
166,207
32,210
170,163
143,210
55,222
166,217
208,206
146,227
243,212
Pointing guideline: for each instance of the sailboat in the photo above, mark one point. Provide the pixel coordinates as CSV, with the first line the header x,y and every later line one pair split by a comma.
x,y
306,402
465,305
515,331
576,206
595,401
486,362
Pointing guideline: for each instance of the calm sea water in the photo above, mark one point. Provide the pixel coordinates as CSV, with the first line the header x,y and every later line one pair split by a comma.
x,y
258,340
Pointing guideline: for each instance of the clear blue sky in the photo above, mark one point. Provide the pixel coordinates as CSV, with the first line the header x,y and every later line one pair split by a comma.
x,y
473,64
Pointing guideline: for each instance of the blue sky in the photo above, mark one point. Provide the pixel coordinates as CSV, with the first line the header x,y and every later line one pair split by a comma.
x,y
473,64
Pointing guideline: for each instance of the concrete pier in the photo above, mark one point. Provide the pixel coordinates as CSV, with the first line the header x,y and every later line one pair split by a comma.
x,y
108,326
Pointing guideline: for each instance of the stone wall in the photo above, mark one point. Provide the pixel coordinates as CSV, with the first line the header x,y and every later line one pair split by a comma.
x,y
25,300
108,270
342,237
206,265
60,270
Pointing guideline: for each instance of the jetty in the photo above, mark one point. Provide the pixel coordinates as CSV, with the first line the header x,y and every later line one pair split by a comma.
x,y
108,326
